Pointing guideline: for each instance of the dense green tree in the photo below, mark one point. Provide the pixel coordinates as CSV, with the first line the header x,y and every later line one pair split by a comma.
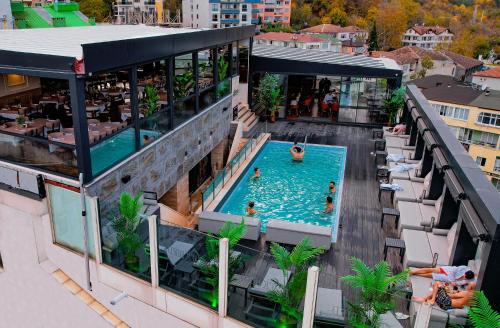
x,y
338,16
373,38
99,9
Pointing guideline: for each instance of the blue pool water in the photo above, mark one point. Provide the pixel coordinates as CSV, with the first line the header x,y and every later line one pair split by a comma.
x,y
112,150
288,190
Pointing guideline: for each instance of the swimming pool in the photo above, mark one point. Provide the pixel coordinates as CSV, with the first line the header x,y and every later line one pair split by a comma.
x,y
116,148
288,190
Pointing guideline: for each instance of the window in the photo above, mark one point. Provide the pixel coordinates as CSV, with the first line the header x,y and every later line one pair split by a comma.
x,y
244,18
489,119
496,167
215,7
496,183
461,113
455,112
244,8
215,17
485,138
481,161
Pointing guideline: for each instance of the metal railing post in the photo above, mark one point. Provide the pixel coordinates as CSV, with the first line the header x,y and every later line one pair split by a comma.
x,y
153,250
310,297
223,275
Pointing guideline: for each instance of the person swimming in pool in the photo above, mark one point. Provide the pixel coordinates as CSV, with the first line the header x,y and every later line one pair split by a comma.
x,y
251,210
297,152
332,188
256,173
329,205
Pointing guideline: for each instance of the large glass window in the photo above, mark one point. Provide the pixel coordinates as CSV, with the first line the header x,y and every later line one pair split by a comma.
x,y
184,85
243,60
65,211
485,138
488,119
496,167
234,57
223,72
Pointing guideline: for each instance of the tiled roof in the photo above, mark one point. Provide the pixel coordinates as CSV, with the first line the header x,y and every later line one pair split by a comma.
x,y
492,72
353,43
463,61
281,36
401,60
424,29
331,28
410,53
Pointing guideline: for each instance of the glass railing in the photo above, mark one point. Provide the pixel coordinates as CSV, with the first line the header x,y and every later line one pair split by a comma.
x,y
188,264
207,98
224,88
39,153
184,110
220,180
158,122
112,150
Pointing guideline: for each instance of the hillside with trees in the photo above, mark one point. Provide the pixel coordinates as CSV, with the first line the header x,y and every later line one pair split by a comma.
x,y
476,23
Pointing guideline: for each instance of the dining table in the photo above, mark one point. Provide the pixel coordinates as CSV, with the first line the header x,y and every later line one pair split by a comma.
x,y
94,109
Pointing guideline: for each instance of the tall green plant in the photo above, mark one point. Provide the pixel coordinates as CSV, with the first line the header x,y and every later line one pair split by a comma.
x,y
378,288
125,225
183,84
394,104
223,87
269,92
150,100
290,295
209,263
481,314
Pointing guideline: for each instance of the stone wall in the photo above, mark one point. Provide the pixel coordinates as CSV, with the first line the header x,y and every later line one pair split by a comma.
x,y
160,166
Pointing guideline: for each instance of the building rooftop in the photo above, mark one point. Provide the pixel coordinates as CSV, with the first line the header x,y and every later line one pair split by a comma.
x,y
462,61
411,53
331,28
425,29
353,43
446,89
288,37
68,41
492,72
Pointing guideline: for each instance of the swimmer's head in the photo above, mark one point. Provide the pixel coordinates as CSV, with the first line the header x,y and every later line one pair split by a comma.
x,y
251,204
329,200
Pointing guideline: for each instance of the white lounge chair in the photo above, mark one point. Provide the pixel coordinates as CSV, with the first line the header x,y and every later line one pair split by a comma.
x,y
419,216
412,191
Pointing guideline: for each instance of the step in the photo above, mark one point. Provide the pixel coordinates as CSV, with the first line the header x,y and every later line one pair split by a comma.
x,y
246,117
242,112
249,125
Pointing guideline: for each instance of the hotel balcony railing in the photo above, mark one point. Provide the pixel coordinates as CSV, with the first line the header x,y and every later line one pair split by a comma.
x,y
230,11
255,21
230,21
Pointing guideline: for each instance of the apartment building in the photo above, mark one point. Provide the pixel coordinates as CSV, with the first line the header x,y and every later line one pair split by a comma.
x,y
219,14
427,37
125,11
341,33
292,40
487,79
474,117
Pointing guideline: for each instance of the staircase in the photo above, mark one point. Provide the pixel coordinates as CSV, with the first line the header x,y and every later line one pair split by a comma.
x,y
247,117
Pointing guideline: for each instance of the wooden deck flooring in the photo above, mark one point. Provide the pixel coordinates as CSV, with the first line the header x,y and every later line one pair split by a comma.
x,y
361,235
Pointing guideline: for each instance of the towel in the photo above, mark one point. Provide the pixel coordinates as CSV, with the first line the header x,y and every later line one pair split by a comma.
x,y
393,186
395,157
402,168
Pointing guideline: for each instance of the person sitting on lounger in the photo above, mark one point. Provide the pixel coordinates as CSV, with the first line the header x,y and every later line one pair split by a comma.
x,y
297,152
329,205
251,210
399,129
457,275
443,297
331,187
256,173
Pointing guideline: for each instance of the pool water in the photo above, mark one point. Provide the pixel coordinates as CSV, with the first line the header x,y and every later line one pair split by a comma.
x,y
289,190
110,151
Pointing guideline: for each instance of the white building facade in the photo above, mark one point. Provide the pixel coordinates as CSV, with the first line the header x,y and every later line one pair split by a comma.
x,y
427,37
487,79
6,21
127,11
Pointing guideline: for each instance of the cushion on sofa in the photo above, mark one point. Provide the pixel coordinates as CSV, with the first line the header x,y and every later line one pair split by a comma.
x,y
451,238
410,217
428,212
439,245
418,252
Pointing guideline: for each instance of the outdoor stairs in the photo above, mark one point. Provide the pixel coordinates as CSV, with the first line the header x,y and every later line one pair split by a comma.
x,y
85,297
247,117
44,14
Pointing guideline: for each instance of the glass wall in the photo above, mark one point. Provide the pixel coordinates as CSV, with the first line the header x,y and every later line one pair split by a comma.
x,y
184,87
188,264
223,71
206,86
125,236
67,224
244,47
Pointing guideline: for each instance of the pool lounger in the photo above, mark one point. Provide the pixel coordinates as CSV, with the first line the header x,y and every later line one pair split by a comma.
x,y
212,222
418,216
291,233
413,191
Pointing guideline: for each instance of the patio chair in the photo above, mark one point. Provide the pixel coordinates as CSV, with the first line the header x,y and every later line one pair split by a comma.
x,y
412,191
406,175
419,216
428,249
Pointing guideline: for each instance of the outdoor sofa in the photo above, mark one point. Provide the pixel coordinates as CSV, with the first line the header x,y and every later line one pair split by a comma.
x,y
291,233
419,216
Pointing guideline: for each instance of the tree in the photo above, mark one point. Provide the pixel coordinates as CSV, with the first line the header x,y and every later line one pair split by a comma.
x,y
95,8
269,93
378,288
302,15
373,38
391,23
338,16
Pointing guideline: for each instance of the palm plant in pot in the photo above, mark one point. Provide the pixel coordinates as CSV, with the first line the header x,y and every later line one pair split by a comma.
x,y
125,226
222,68
209,263
183,84
378,289
150,100
394,104
269,94
291,294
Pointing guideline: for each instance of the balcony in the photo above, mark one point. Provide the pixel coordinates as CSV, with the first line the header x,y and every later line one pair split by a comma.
x,y
230,11
230,21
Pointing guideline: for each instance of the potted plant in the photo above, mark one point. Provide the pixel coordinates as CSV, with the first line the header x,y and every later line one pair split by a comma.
x,y
21,120
394,104
269,94
222,68
125,226
150,100
378,288
183,84
209,263
290,295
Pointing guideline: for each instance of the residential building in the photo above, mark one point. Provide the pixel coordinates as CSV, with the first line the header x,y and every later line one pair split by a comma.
x,y
487,79
6,21
354,47
341,33
427,37
465,66
57,14
128,11
219,14
292,40
473,115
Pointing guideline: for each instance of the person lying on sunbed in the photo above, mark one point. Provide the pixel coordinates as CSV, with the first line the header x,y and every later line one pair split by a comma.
x,y
444,297
456,275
